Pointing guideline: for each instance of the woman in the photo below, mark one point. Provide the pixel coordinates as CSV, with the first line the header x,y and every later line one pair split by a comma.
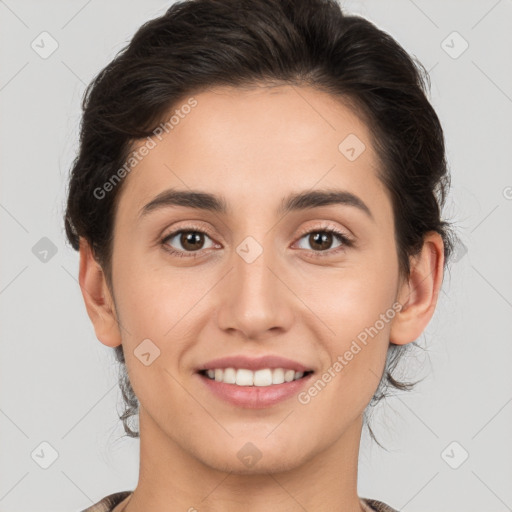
x,y
256,203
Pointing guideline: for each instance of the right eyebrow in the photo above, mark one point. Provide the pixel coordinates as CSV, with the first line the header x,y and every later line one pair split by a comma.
x,y
191,199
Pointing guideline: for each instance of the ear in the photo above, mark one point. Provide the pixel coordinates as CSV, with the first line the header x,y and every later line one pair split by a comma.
x,y
418,294
97,297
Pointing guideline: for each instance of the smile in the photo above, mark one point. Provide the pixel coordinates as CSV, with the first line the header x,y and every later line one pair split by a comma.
x,y
251,395
258,378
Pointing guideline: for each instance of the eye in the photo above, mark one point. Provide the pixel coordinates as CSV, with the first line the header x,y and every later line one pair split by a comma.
x,y
321,240
189,240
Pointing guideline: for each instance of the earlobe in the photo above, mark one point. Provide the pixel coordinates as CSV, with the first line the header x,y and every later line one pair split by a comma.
x,y
418,295
97,297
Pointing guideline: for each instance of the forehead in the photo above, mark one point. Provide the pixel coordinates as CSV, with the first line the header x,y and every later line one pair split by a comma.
x,y
255,144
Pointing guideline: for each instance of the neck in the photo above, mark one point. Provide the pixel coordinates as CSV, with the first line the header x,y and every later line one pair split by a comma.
x,y
172,479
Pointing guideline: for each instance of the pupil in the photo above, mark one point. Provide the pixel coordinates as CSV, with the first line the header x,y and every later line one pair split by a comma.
x,y
191,239
318,238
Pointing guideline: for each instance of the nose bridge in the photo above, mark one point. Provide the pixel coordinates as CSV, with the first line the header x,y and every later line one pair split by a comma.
x,y
253,298
253,255
254,284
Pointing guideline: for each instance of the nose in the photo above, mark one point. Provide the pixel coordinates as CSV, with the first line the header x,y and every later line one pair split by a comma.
x,y
254,298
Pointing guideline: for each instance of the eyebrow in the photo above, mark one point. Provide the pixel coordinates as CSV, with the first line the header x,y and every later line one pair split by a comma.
x,y
217,204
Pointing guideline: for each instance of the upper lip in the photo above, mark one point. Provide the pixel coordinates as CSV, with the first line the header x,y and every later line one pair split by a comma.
x,y
254,363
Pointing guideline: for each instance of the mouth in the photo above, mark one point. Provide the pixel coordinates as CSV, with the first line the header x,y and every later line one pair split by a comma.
x,y
260,389
246,381
264,377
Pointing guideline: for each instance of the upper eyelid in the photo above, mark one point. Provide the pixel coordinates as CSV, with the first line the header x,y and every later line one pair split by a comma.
x,y
325,227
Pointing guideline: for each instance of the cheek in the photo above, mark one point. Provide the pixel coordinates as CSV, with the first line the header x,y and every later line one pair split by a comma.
x,y
149,300
162,306
154,340
356,304
359,312
351,298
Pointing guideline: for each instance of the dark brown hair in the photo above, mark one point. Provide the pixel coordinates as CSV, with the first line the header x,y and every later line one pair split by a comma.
x,y
198,44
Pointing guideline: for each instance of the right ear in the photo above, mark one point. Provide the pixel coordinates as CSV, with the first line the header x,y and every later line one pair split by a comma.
x,y
97,297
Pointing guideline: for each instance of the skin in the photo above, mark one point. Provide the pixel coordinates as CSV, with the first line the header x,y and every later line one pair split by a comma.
x,y
254,147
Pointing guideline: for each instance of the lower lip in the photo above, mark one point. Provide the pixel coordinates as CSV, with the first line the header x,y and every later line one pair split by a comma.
x,y
255,397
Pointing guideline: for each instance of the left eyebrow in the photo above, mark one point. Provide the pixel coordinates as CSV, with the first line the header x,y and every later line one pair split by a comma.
x,y
217,204
327,197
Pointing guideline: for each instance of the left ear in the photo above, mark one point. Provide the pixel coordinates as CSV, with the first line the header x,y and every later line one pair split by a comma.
x,y
418,294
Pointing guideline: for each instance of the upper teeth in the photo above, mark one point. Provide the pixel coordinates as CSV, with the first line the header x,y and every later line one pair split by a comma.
x,y
243,377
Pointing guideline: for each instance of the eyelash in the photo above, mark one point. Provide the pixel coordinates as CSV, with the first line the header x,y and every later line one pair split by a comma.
x,y
346,242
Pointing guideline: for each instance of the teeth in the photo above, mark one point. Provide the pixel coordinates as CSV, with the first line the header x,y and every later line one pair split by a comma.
x,y
278,376
289,375
229,376
244,377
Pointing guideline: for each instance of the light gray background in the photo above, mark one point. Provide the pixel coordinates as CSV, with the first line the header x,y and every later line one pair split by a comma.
x,y
58,384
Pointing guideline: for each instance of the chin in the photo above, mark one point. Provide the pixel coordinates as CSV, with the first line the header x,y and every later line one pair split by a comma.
x,y
258,457
262,467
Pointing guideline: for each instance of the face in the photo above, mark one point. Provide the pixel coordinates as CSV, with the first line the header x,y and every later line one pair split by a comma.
x,y
308,283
